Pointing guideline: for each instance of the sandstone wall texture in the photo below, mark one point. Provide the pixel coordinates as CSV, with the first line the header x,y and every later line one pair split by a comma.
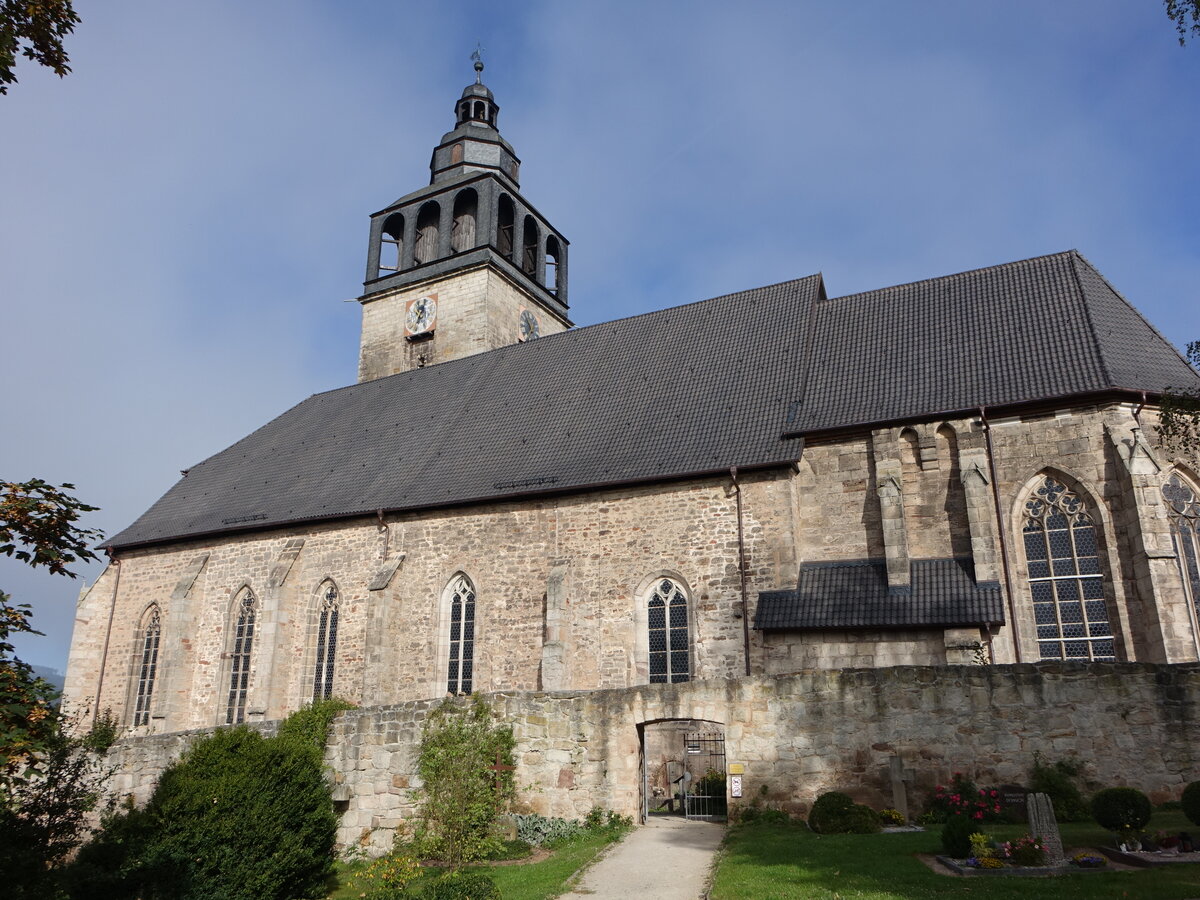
x,y
798,735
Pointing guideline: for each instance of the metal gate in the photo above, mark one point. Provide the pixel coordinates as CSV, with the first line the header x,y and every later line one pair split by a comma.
x,y
703,778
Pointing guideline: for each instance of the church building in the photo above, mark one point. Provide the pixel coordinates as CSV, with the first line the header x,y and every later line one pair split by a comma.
x,y
958,471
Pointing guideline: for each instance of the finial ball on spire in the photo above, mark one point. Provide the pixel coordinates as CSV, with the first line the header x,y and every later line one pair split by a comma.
x,y
478,57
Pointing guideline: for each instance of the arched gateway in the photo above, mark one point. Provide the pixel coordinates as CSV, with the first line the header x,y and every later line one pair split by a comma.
x,y
684,769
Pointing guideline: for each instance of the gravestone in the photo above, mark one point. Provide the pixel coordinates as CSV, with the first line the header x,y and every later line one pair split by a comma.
x,y
1014,803
1042,824
900,779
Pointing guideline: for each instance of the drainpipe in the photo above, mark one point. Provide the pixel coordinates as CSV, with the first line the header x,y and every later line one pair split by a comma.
x,y
737,490
1137,413
116,564
1003,532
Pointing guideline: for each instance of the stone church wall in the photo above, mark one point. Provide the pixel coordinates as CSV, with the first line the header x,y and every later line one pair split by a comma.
x,y
798,735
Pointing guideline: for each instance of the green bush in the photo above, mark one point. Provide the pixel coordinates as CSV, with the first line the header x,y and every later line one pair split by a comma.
x,y
462,886
1121,809
956,836
462,794
540,830
836,813
1058,781
828,811
1190,802
238,816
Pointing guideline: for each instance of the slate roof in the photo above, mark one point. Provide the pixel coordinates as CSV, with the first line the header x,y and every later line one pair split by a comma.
x,y
1039,328
855,594
695,389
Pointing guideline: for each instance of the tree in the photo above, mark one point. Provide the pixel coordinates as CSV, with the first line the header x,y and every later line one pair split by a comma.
x,y
1180,12
48,780
37,526
36,29
1179,415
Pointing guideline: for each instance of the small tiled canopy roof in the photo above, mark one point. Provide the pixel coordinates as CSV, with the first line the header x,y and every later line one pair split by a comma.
x,y
855,594
738,380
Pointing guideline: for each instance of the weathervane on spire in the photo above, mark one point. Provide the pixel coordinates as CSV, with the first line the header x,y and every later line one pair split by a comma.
x,y
478,57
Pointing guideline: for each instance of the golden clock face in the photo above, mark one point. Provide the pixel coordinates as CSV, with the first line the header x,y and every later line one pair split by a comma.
x,y
530,328
420,316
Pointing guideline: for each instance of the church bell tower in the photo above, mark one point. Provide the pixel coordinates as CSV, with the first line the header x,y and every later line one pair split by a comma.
x,y
465,264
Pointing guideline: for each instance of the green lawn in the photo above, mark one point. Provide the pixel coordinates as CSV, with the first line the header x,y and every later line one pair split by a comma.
x,y
764,862
534,881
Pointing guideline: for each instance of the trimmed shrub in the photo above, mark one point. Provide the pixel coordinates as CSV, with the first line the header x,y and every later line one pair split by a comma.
x,y
828,810
1121,809
238,817
836,813
462,886
1190,802
956,836
1057,780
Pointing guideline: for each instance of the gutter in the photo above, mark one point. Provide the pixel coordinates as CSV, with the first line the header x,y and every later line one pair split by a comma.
x,y
737,490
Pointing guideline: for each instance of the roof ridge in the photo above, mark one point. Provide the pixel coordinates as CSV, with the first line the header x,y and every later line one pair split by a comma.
x,y
578,329
1105,371
965,272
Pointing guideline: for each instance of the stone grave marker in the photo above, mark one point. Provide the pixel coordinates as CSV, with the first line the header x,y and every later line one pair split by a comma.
x,y
1042,824
1013,801
901,777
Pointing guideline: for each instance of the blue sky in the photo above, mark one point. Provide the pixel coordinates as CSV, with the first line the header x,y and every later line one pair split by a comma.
x,y
182,217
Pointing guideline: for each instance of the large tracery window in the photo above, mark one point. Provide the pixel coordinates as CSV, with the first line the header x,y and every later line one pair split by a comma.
x,y
667,632
1064,577
246,611
147,665
1183,509
327,628
462,636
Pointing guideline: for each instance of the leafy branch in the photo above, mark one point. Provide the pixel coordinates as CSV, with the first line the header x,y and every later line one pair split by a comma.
x,y
1179,413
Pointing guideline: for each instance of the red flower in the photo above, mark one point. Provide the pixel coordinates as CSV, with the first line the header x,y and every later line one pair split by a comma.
x,y
979,815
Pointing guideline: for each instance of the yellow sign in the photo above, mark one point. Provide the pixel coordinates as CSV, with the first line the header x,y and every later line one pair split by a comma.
x,y
737,769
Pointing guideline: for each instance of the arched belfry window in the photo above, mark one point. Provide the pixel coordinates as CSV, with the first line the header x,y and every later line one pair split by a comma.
x,y
147,664
391,243
462,636
505,227
667,633
426,247
245,610
462,234
1183,509
552,254
529,252
1065,579
327,631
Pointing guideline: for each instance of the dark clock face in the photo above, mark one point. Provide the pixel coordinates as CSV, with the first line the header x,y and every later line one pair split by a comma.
x,y
421,316
530,328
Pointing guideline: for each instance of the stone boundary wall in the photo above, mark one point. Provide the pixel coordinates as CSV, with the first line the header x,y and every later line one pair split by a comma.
x,y
799,735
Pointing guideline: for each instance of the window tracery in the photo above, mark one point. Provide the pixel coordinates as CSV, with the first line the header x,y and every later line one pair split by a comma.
x,y
147,666
327,629
1065,579
667,633
1183,510
462,636
239,665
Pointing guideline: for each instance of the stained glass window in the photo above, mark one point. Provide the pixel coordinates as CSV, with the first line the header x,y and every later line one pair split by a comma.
x,y
1065,580
667,626
239,665
147,665
327,629
462,636
1183,509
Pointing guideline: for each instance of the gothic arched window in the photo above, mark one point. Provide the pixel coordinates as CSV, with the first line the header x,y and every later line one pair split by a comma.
x,y
1064,576
327,628
667,633
147,648
246,610
1183,509
462,636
